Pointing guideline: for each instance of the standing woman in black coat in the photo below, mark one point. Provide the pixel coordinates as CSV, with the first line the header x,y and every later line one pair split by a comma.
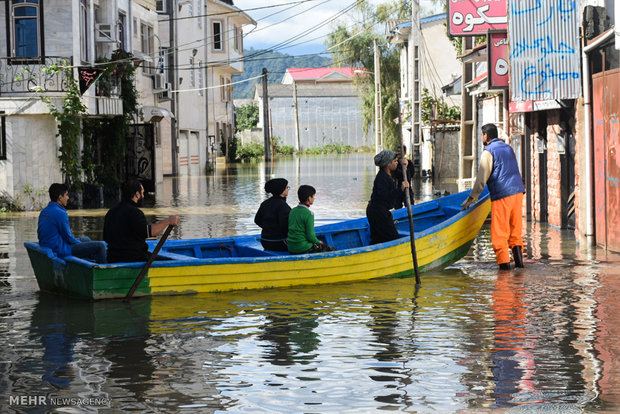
x,y
383,197
272,216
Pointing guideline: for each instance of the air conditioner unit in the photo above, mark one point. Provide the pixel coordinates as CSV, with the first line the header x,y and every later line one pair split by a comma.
x,y
104,33
159,83
164,96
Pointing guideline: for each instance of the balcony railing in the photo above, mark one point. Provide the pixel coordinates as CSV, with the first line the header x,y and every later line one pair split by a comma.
x,y
24,75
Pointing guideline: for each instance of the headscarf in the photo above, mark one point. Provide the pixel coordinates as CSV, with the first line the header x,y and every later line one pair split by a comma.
x,y
276,186
384,158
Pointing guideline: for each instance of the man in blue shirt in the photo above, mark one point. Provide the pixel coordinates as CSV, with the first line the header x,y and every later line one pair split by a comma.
x,y
54,232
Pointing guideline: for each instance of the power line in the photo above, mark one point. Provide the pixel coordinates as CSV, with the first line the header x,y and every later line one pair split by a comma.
x,y
233,12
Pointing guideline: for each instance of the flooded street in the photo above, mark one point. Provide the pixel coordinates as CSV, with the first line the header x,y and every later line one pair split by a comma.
x,y
545,338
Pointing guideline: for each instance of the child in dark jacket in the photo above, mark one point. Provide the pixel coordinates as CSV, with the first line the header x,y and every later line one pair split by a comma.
x,y
272,216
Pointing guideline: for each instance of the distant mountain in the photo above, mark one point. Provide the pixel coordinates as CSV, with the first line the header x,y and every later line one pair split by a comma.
x,y
276,64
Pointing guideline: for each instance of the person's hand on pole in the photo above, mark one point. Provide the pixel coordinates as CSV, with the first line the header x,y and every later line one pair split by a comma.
x,y
467,203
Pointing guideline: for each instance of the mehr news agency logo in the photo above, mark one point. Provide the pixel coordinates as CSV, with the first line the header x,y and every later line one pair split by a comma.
x,y
38,400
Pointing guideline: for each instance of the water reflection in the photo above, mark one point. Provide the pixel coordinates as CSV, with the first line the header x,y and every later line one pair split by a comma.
x,y
513,364
290,339
545,337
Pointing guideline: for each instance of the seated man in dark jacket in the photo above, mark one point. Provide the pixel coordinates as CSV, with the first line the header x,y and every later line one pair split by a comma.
x,y
125,228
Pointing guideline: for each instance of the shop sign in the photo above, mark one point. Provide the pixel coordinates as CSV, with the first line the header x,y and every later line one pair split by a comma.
x,y
475,17
498,59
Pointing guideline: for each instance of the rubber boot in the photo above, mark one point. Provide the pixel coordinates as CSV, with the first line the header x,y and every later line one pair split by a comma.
x,y
517,254
504,266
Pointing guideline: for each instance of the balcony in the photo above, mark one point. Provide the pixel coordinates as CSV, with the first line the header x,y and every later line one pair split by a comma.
x,y
23,75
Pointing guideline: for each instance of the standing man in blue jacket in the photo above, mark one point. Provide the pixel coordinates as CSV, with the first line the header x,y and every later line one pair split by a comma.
x,y
54,232
499,169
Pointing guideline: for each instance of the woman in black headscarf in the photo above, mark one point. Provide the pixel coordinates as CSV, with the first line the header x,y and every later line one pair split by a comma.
x,y
384,194
272,216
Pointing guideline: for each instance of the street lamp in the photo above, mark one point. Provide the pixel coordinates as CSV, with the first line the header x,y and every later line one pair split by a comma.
x,y
378,110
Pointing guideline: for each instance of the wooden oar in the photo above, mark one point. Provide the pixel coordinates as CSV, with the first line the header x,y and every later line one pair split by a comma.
x,y
414,254
149,262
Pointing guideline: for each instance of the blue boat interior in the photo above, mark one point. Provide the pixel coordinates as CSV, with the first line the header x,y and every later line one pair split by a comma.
x,y
343,235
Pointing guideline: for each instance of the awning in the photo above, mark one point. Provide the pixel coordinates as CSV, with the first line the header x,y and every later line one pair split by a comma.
x,y
154,113
532,106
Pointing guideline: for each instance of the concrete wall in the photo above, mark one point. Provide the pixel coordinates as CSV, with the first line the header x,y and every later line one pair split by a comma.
x,y
32,154
446,155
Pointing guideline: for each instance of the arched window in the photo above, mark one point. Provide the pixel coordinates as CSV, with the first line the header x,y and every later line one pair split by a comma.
x,y
26,29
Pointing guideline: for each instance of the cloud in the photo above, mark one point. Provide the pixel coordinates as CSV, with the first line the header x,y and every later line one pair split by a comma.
x,y
293,20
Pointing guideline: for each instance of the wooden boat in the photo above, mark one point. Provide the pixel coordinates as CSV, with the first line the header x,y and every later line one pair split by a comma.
x,y
443,235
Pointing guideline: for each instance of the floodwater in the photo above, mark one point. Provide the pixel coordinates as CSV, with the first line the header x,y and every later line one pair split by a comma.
x,y
471,339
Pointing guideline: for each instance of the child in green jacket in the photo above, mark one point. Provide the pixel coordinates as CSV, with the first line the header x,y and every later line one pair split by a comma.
x,y
301,236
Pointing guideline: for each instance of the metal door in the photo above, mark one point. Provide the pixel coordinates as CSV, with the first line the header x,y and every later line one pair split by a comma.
x,y
141,155
606,131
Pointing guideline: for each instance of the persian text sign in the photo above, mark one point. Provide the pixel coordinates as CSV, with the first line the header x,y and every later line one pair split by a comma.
x,y
476,17
545,50
498,58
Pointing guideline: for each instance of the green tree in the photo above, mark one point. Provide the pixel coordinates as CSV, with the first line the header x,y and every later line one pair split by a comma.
x,y
69,118
247,116
353,45
436,108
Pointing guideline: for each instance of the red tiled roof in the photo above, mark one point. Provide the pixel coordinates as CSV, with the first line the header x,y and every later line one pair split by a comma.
x,y
318,73
479,78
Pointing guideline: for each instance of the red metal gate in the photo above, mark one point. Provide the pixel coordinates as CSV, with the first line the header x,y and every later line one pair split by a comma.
x,y
606,129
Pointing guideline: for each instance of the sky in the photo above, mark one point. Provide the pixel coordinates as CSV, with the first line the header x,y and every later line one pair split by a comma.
x,y
279,24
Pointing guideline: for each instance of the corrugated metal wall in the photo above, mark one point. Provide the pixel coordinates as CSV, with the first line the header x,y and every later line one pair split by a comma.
x,y
322,120
545,59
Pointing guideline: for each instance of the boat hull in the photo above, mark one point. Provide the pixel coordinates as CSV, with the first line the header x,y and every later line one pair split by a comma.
x,y
436,246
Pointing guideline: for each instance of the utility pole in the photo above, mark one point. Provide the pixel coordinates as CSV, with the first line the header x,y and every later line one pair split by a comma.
x,y
266,136
378,110
414,94
297,144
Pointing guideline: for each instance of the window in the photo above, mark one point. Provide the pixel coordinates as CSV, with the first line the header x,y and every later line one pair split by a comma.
x,y
147,45
160,6
192,72
122,24
2,136
200,78
84,55
218,39
199,14
236,34
26,28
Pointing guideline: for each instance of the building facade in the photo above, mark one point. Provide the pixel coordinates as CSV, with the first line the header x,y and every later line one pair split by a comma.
x,y
565,134
315,107
427,63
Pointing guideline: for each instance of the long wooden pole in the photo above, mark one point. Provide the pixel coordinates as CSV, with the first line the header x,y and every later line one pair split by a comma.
x,y
152,258
414,254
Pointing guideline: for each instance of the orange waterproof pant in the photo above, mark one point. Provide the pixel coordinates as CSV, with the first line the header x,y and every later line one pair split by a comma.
x,y
506,226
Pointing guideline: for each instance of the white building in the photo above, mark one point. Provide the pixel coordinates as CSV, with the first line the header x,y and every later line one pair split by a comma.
x,y
432,67
63,32
203,40
184,51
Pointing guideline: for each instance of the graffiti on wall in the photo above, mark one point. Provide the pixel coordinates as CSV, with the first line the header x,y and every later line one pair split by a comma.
x,y
545,59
